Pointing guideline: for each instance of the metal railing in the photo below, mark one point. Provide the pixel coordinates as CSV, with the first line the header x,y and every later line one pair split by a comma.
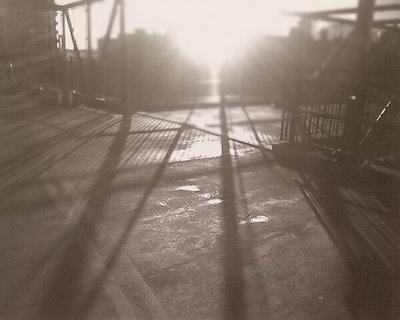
x,y
315,124
324,126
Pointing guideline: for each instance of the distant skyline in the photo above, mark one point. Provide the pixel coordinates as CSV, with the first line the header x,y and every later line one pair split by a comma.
x,y
209,30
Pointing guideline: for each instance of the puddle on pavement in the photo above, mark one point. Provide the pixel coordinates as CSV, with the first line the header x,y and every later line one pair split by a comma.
x,y
258,219
191,188
203,149
214,201
206,149
282,202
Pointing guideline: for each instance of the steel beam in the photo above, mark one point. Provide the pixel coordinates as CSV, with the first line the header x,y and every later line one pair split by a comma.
x,y
89,28
353,127
321,14
75,4
44,7
328,15
109,28
124,73
327,62
76,49
64,49
378,24
103,49
89,45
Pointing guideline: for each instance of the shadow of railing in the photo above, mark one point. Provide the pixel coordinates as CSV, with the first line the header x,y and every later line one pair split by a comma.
x,y
261,143
62,296
234,285
63,290
30,164
135,215
35,177
368,237
261,303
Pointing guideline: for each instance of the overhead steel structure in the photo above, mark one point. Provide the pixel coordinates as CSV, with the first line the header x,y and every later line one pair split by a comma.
x,y
320,116
67,27
332,122
118,5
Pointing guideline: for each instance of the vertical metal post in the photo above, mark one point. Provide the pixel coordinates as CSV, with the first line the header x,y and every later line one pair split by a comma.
x,y
76,50
109,27
89,45
295,88
103,52
50,44
71,73
89,28
64,49
293,106
124,65
64,36
355,109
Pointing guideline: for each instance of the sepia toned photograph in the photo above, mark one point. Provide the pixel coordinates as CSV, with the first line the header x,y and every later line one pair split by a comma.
x,y
199,160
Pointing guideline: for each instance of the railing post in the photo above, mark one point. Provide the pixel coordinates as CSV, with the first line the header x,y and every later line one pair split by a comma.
x,y
64,49
124,64
90,78
354,126
77,52
293,109
103,50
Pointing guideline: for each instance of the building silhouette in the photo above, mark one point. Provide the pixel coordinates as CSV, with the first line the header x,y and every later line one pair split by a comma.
x,y
28,40
156,68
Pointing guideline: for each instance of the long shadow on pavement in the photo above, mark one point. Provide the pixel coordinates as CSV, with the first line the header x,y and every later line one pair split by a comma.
x,y
136,214
234,285
63,290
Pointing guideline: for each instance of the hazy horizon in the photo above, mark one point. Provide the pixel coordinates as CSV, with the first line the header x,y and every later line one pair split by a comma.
x,y
206,30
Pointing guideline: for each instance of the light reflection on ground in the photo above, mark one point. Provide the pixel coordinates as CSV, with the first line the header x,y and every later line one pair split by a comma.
x,y
202,149
257,219
188,188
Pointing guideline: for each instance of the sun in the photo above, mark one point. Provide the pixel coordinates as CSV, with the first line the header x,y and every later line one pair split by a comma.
x,y
208,31
211,48
213,32
216,31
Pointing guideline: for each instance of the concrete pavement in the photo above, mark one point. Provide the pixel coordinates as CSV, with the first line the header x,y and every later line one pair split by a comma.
x,y
143,216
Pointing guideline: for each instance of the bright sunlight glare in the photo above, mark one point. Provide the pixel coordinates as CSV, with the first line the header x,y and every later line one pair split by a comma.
x,y
209,31
215,31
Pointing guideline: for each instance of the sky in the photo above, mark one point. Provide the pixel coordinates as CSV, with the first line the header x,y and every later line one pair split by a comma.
x,y
208,29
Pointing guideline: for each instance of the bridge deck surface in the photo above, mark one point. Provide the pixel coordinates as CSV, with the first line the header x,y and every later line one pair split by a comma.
x,y
144,216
